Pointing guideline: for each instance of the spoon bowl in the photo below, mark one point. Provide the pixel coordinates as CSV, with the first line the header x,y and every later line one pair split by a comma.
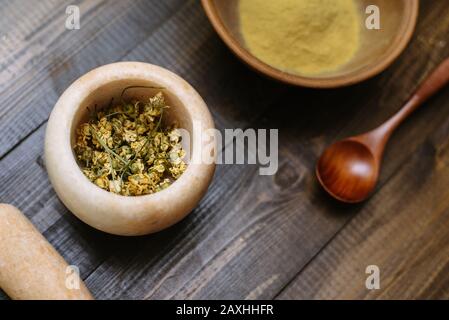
x,y
348,170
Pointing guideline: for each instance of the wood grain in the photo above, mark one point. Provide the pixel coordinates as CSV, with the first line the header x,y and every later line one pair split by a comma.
x,y
406,237
433,45
47,57
37,199
262,271
252,235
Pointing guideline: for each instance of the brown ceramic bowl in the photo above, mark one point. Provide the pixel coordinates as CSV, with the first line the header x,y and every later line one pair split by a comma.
x,y
378,49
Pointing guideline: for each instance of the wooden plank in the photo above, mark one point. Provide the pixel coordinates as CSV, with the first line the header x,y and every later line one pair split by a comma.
x,y
33,153
233,92
19,20
281,222
257,272
251,234
49,59
403,231
102,40
426,44
22,172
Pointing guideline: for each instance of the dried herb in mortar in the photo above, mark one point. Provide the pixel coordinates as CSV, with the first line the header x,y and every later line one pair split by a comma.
x,y
124,149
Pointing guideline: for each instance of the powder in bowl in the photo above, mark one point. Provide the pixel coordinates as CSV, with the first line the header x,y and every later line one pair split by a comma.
x,y
306,37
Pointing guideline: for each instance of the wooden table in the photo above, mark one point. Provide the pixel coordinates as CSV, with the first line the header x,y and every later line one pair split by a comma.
x,y
252,236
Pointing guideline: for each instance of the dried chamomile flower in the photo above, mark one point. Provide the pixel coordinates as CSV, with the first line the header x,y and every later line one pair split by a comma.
x,y
163,184
102,182
115,186
137,166
125,150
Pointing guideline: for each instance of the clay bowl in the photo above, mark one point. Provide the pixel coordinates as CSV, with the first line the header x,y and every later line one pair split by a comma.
x,y
106,211
378,49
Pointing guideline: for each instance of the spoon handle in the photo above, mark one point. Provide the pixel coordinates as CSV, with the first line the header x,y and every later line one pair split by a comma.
x,y
437,80
431,85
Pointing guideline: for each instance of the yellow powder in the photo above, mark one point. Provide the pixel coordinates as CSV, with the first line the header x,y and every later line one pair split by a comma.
x,y
307,37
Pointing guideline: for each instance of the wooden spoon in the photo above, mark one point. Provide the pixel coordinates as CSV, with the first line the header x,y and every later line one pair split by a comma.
x,y
349,169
